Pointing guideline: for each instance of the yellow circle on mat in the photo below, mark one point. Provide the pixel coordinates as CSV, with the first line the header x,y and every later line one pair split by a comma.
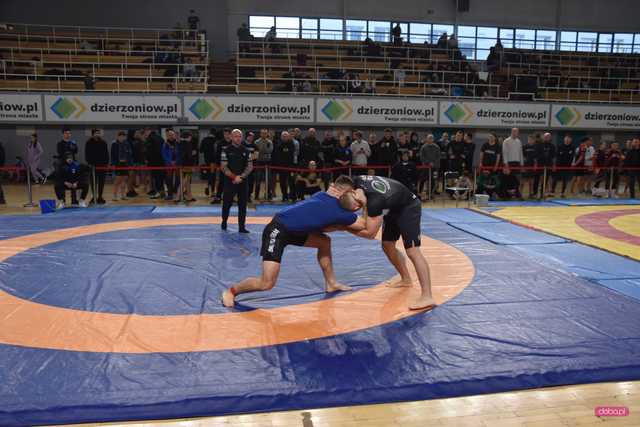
x,y
629,224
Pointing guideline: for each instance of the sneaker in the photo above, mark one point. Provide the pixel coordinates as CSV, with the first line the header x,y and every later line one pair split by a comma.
x,y
206,191
151,193
155,196
116,198
101,201
82,204
132,194
60,205
244,230
168,198
223,226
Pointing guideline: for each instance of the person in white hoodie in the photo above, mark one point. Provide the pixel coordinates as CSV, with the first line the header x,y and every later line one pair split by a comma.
x,y
360,152
512,149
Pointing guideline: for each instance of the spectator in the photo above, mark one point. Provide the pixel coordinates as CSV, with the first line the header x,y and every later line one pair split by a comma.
x,y
185,160
530,153
121,157
236,165
509,185
342,157
599,161
327,151
265,150
66,145
632,160
490,153
443,143
463,187
283,153
613,162
132,140
244,35
430,157
154,159
189,70
3,201
71,179
546,155
310,148
385,153
489,184
405,171
583,157
308,183
89,82
208,150
250,144
468,152
403,146
222,144
512,150
194,22
442,41
455,153
361,152
96,155
415,145
564,158
34,154
170,155
396,33
271,34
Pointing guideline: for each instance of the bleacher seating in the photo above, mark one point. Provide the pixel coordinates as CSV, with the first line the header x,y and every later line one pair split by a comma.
x,y
47,58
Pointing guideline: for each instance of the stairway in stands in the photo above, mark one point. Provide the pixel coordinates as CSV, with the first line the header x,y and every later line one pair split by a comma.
x,y
222,76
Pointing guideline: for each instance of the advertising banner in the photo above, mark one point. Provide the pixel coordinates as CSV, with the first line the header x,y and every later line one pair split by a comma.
x,y
494,114
377,111
595,117
248,109
112,108
20,108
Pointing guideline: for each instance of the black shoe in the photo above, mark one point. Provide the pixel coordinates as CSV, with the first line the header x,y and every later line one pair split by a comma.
x,y
132,194
223,226
151,193
92,202
249,200
101,201
206,191
244,230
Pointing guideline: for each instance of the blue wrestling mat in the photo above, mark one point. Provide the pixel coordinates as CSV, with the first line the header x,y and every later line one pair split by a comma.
x,y
525,320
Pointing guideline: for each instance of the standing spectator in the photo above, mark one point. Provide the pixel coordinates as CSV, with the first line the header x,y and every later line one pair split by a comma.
x,y
583,159
244,34
208,150
415,145
193,21
250,144
546,156
222,144
297,136
405,171
455,152
71,179
599,160
468,152
361,152
564,159
310,148
170,155
271,35
512,150
264,146
283,153
186,162
490,153
96,155
403,146
131,182
308,183
34,154
3,201
443,143
430,158
155,159
121,157
613,163
396,33
342,157
632,162
66,145
138,149
327,150
530,152
386,153
236,165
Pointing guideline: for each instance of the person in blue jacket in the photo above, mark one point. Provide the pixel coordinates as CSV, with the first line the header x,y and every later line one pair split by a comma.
x,y
171,156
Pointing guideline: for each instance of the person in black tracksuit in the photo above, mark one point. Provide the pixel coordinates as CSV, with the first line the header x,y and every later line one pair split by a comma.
x,y
96,154
250,145
632,160
222,144
327,148
455,153
546,155
284,151
564,158
208,150
236,165
385,153
2,161
154,143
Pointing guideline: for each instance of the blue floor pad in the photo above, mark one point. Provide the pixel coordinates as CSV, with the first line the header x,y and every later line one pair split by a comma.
x,y
504,233
204,210
629,287
595,202
458,215
584,261
525,321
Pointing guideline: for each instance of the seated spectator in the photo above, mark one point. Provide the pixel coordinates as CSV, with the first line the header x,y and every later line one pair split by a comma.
x,y
308,183
121,156
189,69
489,184
71,179
89,82
442,41
271,34
463,187
509,185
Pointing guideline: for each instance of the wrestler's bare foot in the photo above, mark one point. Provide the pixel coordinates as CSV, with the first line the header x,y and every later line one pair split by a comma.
x,y
399,283
228,300
335,287
422,302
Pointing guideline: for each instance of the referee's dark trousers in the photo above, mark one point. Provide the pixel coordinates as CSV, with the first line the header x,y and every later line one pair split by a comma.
x,y
230,191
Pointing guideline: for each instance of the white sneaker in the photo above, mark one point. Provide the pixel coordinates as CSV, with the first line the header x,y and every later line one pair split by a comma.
x,y
60,205
115,198
82,204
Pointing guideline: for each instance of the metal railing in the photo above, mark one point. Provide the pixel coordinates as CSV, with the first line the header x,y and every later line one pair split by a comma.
x,y
628,96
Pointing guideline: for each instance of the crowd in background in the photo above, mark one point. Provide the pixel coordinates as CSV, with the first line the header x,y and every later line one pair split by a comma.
x,y
145,162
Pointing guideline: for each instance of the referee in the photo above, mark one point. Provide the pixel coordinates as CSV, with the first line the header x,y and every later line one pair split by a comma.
x,y
236,164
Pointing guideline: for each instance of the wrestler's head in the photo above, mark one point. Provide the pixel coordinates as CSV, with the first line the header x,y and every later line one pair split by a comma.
x,y
353,200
